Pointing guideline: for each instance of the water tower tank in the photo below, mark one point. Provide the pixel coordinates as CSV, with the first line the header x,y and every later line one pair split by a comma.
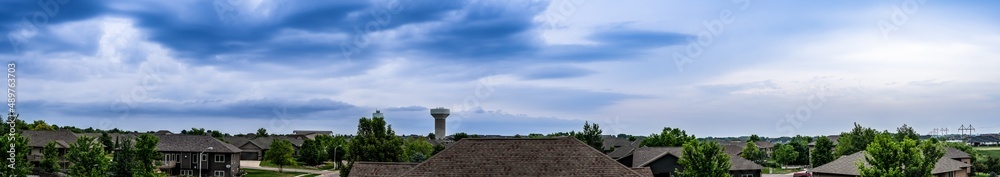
x,y
439,115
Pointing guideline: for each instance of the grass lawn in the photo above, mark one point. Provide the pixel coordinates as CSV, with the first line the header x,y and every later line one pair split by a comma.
x,y
989,151
781,171
327,166
311,175
263,173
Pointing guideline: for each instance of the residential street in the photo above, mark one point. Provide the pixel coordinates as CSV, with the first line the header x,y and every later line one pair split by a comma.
x,y
253,164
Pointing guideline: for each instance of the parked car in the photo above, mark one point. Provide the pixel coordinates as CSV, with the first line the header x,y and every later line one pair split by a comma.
x,y
802,174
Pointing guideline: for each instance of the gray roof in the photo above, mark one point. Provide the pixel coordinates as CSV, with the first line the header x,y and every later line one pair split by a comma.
x,y
39,138
645,155
845,165
265,142
953,153
306,132
521,157
193,143
114,136
380,169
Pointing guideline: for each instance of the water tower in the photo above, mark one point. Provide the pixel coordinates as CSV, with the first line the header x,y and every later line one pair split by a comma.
x,y
439,115
377,114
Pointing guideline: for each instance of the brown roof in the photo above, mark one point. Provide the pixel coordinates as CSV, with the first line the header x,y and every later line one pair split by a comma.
x,y
845,165
644,171
955,153
520,157
193,143
379,169
39,138
645,155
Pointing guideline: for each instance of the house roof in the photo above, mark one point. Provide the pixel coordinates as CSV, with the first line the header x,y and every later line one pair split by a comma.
x,y
983,139
265,142
953,153
644,171
379,169
307,132
643,156
612,141
39,138
845,165
621,152
520,157
193,143
236,140
114,136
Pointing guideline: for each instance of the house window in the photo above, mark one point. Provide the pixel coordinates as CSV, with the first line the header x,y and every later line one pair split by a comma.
x,y
746,175
204,157
219,173
220,158
187,172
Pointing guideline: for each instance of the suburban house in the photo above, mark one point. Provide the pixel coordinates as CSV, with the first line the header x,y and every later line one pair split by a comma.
x,y
762,145
564,156
37,139
960,156
833,138
311,134
844,167
254,148
662,161
180,156
619,147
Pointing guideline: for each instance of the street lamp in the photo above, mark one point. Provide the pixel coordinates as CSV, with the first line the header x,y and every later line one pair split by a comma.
x,y
200,159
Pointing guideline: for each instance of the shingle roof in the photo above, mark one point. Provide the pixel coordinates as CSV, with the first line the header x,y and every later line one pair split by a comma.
x,y
193,143
236,140
379,169
39,138
306,132
612,141
644,171
265,142
953,153
114,136
621,152
520,157
645,155
845,165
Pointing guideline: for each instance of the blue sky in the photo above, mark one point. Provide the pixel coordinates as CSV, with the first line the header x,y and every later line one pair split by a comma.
x,y
713,68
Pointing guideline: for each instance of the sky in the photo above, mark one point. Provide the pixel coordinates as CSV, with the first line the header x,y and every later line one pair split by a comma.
x,y
712,68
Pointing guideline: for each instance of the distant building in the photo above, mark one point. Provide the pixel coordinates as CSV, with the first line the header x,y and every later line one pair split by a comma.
x,y
311,134
254,149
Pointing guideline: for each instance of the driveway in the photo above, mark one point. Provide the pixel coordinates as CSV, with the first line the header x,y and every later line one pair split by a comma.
x,y
253,164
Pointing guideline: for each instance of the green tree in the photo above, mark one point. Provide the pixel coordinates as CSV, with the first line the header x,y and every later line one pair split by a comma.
x,y
195,131
437,148
785,154
261,132
40,125
87,158
752,152
855,141
217,134
146,155
334,146
431,135
822,152
374,142
105,140
754,138
50,158
801,145
124,161
280,154
459,136
19,144
417,149
906,132
313,152
536,135
703,159
891,158
670,137
591,135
